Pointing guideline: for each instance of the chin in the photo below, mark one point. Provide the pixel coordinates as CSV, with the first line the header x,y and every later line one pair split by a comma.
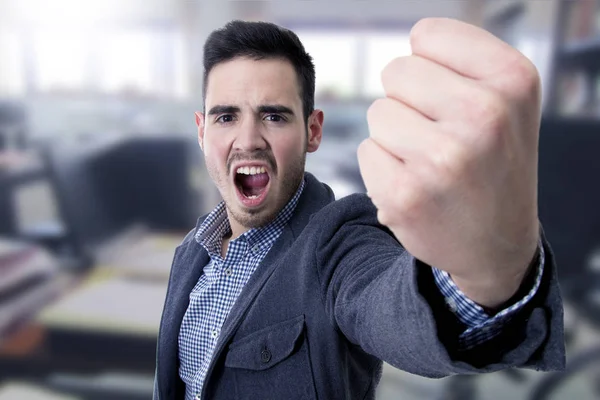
x,y
253,218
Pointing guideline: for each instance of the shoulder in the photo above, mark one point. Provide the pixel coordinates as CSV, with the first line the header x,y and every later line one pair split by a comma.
x,y
190,237
355,208
350,216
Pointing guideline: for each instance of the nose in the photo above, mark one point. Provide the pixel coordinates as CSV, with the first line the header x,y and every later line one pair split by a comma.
x,y
250,137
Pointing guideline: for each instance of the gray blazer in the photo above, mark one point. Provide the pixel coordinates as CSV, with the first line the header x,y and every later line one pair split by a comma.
x,y
335,296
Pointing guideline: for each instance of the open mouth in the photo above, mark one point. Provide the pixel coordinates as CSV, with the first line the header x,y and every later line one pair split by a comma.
x,y
252,183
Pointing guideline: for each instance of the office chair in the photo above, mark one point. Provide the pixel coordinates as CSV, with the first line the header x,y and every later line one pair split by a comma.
x,y
82,200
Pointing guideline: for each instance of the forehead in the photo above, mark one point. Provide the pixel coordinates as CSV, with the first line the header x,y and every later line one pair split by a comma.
x,y
244,81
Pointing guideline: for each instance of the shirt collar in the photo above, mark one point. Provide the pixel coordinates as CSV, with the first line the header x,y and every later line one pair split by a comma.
x,y
216,225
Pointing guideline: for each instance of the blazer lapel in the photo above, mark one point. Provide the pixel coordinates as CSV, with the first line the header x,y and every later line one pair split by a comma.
x,y
188,264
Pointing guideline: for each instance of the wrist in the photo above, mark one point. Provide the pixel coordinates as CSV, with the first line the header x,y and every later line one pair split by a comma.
x,y
495,292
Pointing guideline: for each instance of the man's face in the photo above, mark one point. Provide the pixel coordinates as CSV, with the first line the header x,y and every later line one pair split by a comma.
x,y
254,137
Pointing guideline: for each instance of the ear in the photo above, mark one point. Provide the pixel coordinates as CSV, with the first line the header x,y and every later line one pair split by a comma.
x,y
200,124
315,130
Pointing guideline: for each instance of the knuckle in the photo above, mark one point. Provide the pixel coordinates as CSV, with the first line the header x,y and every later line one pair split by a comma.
x,y
526,78
375,110
400,205
392,70
487,110
364,155
448,161
362,149
420,31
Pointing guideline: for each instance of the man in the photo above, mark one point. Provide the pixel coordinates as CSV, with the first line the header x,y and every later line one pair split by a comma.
x,y
283,293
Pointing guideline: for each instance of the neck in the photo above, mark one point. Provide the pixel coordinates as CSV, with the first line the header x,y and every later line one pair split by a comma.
x,y
237,229
224,245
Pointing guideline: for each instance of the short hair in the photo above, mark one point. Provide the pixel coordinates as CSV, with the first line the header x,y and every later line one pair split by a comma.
x,y
261,40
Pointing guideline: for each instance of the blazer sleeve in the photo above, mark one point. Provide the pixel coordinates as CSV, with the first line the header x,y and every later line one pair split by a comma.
x,y
383,299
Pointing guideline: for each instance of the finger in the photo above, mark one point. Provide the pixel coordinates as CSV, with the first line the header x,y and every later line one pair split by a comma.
x,y
430,88
464,48
401,130
382,173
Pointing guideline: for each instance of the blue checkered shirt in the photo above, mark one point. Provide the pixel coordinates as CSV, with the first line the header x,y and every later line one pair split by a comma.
x,y
224,278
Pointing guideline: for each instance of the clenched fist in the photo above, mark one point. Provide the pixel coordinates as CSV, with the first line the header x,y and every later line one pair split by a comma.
x,y
451,162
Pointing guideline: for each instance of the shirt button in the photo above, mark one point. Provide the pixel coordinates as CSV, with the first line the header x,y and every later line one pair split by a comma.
x,y
198,397
228,272
255,249
265,356
215,333
451,304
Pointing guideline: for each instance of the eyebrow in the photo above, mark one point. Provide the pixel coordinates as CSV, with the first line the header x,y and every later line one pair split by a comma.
x,y
275,109
223,109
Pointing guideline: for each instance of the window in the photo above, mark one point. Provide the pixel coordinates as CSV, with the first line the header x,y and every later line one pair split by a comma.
x,y
349,63
181,60
133,61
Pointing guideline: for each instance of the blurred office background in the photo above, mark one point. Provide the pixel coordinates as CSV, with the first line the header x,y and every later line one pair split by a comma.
x,y
101,176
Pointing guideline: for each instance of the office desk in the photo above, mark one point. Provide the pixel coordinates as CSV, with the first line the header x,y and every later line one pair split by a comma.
x,y
60,350
35,352
100,336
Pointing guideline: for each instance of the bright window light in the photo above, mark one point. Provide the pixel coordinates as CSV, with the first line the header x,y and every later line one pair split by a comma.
x,y
181,61
12,79
334,55
60,59
127,60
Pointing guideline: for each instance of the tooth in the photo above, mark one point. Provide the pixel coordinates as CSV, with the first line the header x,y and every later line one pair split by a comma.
x,y
262,170
253,171
246,171
253,196
240,170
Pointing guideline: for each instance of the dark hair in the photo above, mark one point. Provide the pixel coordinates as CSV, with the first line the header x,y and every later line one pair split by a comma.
x,y
260,40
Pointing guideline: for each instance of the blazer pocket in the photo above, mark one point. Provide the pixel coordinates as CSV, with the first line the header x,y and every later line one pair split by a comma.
x,y
273,363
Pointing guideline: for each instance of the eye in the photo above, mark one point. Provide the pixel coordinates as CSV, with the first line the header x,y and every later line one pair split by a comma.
x,y
274,118
225,118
